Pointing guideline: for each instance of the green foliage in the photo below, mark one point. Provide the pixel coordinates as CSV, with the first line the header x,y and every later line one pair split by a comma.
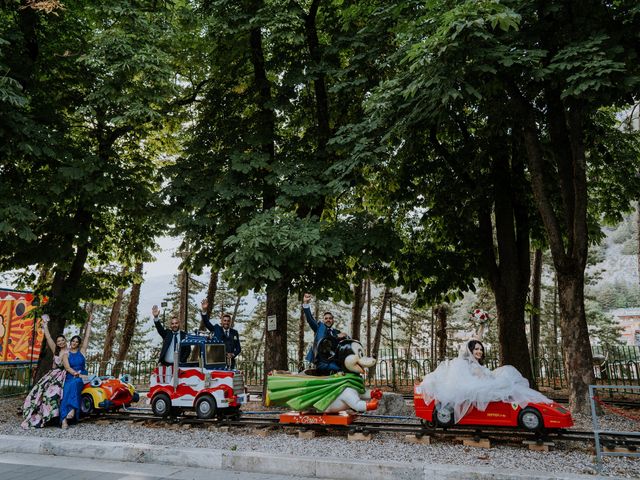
x,y
267,216
81,145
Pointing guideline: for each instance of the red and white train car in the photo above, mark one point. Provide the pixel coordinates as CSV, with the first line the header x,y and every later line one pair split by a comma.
x,y
203,383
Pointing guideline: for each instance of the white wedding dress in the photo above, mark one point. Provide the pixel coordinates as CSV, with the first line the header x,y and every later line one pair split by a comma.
x,y
463,383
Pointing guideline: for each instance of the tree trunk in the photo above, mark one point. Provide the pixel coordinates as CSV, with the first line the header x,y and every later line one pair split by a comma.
x,y
129,321
379,327
236,307
356,310
536,295
184,299
638,235
507,259
275,346
368,317
567,230
211,296
441,331
112,326
578,358
555,315
512,331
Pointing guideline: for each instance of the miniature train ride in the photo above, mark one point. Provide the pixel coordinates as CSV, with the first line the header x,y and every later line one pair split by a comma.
x,y
204,382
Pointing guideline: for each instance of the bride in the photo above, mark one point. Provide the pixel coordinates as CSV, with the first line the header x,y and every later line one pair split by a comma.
x,y
464,382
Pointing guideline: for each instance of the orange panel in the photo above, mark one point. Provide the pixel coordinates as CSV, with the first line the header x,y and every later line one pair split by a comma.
x,y
20,338
317,418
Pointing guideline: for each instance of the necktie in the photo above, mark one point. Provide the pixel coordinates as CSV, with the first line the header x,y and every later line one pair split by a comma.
x,y
175,341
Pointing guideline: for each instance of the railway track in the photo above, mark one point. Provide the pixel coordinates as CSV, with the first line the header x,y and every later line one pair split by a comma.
x,y
380,424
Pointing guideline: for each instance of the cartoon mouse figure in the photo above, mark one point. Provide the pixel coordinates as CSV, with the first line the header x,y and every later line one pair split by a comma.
x,y
353,359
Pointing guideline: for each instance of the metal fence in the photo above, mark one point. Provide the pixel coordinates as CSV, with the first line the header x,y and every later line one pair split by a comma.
x,y
599,433
397,369
15,378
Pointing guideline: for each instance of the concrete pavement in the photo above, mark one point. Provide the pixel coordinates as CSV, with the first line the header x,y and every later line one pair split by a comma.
x,y
21,466
160,456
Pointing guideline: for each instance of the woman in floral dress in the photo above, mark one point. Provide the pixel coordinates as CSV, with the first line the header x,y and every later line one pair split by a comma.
x,y
43,402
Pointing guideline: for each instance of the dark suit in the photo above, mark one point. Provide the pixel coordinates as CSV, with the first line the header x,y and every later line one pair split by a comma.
x,y
231,339
167,342
322,361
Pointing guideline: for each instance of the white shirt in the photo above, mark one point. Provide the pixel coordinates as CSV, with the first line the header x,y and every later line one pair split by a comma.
x,y
169,355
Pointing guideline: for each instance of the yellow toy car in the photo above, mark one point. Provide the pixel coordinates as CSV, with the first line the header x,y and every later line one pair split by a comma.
x,y
107,394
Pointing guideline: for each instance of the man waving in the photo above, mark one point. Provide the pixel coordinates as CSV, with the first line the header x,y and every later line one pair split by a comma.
x,y
223,331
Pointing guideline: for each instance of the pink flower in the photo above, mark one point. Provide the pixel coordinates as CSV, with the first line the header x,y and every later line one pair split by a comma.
x,y
51,390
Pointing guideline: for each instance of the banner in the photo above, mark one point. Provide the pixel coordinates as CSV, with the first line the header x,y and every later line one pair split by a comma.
x,y
20,334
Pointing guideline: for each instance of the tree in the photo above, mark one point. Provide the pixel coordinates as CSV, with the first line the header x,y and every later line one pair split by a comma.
x,y
94,92
536,295
130,319
112,326
253,189
528,70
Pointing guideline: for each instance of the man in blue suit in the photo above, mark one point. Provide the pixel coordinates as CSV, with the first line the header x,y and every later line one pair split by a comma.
x,y
325,340
223,332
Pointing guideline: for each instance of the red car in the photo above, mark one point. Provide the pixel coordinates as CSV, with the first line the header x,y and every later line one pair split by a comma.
x,y
535,417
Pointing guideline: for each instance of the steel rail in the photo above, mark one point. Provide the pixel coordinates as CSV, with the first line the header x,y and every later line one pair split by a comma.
x,y
269,420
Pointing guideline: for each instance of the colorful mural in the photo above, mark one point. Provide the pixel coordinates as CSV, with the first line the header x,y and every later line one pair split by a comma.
x,y
17,329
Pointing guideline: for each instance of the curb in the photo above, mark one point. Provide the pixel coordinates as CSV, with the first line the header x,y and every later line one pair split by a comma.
x,y
258,462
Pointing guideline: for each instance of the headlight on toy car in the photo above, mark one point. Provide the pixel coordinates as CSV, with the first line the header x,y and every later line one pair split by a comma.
x,y
126,378
95,382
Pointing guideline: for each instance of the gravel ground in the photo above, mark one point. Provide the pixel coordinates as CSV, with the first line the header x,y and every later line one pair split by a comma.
x,y
569,457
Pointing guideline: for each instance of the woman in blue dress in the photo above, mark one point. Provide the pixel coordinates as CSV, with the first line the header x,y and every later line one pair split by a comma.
x,y
75,364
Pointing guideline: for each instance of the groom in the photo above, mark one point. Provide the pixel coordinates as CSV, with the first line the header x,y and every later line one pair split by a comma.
x,y
229,336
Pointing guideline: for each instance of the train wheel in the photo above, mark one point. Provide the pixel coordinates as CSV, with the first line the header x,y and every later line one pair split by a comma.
x,y
530,419
233,413
429,425
443,416
161,405
206,407
86,404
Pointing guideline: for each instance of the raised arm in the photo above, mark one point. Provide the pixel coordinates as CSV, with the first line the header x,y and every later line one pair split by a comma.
x,y
205,316
155,311
87,334
47,335
306,308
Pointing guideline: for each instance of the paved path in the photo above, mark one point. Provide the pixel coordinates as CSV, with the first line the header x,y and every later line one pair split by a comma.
x,y
21,466
88,459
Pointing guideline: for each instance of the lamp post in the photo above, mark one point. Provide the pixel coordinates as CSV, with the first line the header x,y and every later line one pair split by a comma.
x,y
393,354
